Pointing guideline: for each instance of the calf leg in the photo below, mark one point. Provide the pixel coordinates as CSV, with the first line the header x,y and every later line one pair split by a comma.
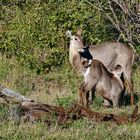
x,y
106,97
106,103
115,100
84,94
81,94
115,103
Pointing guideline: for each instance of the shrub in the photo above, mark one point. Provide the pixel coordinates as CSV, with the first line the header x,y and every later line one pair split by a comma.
x,y
34,31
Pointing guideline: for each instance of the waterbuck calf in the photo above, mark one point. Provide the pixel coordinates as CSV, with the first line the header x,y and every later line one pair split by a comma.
x,y
113,86
98,78
111,54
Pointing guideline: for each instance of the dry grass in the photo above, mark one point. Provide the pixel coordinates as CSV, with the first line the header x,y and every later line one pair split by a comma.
x,y
59,89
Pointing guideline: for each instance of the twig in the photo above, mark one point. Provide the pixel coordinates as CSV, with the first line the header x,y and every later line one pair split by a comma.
x,y
93,5
8,93
115,17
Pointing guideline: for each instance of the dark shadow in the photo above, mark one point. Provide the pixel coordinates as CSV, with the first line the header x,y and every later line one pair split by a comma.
x,y
127,99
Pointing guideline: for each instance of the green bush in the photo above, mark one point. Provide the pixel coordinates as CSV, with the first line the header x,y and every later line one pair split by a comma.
x,y
34,31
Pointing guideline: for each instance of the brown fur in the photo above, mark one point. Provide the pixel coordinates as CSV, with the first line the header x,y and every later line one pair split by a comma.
x,y
97,77
110,54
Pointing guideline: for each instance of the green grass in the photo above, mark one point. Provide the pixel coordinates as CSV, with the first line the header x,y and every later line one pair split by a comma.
x,y
82,129
59,87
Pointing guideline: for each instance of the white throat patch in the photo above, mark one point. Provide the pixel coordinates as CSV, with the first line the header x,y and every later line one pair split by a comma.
x,y
86,72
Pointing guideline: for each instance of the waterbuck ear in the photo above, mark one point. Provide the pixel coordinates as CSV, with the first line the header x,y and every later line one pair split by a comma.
x,y
68,33
79,31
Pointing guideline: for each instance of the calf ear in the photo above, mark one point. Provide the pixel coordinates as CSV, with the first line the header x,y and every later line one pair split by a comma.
x,y
85,62
79,31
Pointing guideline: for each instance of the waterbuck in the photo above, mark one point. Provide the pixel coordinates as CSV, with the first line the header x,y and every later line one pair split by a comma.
x,y
111,54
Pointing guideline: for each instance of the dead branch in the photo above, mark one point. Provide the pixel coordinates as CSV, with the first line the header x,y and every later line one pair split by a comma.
x,y
124,15
8,93
70,114
114,15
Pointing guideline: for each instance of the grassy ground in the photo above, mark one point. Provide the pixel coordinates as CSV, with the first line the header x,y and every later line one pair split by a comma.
x,y
59,87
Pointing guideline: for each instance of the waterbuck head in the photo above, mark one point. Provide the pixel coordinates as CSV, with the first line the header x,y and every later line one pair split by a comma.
x,y
76,42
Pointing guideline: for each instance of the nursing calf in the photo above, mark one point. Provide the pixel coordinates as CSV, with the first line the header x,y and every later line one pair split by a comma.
x,y
98,78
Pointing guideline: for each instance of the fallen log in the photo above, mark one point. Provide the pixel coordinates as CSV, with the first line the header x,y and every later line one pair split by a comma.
x,y
34,111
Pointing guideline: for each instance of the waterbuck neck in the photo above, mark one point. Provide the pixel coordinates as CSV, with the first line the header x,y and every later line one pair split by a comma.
x,y
75,45
74,48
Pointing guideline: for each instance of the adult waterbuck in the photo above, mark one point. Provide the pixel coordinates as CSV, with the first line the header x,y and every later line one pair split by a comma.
x,y
111,54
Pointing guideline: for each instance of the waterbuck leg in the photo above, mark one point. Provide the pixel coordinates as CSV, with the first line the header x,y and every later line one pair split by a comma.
x,y
92,96
129,84
81,94
81,97
115,100
85,99
84,95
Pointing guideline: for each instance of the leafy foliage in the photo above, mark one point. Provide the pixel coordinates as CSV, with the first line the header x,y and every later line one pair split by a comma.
x,y
34,31
124,16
